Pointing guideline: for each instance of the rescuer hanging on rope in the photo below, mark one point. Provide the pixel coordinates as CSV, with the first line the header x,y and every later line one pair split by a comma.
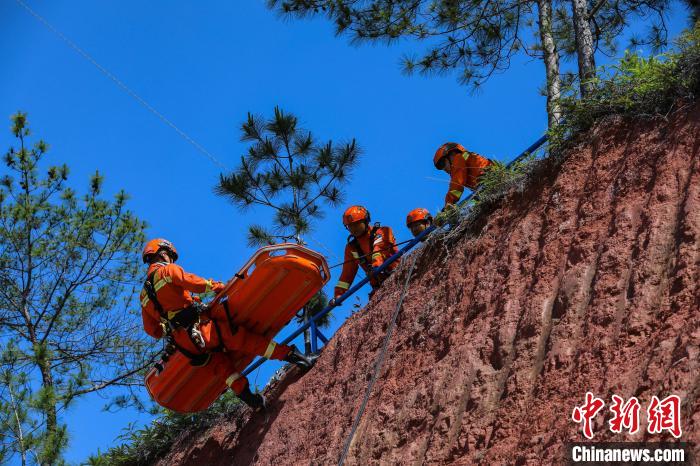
x,y
169,310
418,220
368,247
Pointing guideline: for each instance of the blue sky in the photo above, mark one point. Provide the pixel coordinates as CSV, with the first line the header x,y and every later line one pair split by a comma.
x,y
204,66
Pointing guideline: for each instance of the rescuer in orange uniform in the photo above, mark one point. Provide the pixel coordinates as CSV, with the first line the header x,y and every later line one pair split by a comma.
x,y
368,247
169,309
418,220
464,168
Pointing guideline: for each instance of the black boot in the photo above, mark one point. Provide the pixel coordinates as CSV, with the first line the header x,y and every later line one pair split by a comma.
x,y
254,400
299,360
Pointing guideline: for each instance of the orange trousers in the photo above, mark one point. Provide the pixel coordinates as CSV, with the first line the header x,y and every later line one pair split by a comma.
x,y
242,340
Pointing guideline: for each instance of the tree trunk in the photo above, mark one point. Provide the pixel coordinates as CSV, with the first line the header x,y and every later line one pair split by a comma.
x,y
307,332
584,46
20,433
52,444
551,62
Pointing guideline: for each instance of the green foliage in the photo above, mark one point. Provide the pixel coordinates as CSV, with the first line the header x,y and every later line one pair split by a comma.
x,y
476,38
610,19
499,178
635,87
144,446
68,267
316,305
472,38
288,171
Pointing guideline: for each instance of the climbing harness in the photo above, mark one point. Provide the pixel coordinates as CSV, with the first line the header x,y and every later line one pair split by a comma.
x,y
189,319
362,257
375,278
369,254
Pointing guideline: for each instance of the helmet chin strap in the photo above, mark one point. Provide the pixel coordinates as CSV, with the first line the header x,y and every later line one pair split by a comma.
x,y
167,255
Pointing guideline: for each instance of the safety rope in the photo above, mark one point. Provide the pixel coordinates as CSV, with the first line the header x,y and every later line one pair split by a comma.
x,y
378,364
385,346
325,248
123,86
370,253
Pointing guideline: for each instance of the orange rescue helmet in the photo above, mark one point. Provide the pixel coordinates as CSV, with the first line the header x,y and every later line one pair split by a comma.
x,y
155,245
445,150
416,215
356,213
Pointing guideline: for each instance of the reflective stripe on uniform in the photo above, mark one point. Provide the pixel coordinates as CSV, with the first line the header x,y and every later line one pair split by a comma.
x,y
343,285
355,255
161,283
156,286
209,286
376,254
269,350
232,378
456,192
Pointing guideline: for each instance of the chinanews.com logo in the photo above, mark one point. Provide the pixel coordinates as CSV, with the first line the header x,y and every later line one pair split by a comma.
x,y
662,416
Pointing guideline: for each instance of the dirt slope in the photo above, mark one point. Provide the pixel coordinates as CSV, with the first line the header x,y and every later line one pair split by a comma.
x,y
586,282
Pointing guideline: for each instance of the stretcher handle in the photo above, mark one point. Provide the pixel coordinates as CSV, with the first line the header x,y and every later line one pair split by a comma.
x,y
292,249
260,360
265,252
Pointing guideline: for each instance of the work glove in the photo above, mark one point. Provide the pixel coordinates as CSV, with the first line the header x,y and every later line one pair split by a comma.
x,y
218,286
333,302
439,219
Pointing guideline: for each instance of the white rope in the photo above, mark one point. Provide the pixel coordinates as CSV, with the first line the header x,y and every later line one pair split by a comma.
x,y
123,86
330,253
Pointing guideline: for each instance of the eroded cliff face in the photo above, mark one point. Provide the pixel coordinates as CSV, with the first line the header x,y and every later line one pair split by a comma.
x,y
587,281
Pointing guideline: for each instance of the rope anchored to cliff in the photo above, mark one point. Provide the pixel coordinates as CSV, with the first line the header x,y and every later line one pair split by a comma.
x,y
410,245
378,364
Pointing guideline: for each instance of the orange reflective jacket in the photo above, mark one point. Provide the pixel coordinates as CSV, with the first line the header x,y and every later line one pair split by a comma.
x,y
374,255
174,288
466,169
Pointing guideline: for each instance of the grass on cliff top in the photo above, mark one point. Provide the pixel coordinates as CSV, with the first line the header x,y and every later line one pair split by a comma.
x,y
635,88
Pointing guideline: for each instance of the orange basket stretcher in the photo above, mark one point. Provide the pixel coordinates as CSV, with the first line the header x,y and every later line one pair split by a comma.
x,y
262,297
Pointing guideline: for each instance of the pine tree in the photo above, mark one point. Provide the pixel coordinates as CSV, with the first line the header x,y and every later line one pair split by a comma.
x,y
478,38
694,10
585,28
314,306
550,57
475,38
585,49
288,171
68,268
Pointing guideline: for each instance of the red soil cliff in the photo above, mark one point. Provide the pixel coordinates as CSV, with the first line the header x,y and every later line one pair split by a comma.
x,y
586,281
